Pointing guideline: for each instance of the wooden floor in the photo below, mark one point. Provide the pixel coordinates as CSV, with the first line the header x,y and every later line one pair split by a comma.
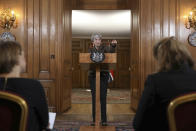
x,y
82,112
111,109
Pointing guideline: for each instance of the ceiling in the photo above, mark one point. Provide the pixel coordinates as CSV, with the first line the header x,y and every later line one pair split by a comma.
x,y
113,24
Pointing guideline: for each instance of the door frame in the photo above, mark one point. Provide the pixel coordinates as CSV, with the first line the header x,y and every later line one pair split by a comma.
x,y
68,6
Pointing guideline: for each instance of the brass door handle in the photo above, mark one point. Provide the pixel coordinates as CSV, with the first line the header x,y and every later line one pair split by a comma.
x,y
52,56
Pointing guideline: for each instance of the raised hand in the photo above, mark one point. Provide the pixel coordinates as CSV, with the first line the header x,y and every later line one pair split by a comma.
x,y
114,42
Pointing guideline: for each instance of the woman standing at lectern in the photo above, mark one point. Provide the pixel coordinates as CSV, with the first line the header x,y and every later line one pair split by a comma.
x,y
104,76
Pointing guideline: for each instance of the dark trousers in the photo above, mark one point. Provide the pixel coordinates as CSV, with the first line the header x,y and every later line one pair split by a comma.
x,y
103,94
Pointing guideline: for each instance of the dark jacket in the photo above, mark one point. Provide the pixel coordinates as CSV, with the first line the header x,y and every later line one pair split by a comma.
x,y
103,48
33,92
159,90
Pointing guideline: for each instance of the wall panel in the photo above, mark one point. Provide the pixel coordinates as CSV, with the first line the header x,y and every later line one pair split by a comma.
x,y
100,4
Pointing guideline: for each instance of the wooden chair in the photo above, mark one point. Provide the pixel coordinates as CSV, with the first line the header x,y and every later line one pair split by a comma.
x,y
13,112
182,113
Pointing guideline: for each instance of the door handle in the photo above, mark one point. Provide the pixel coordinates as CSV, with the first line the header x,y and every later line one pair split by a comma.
x,y
52,56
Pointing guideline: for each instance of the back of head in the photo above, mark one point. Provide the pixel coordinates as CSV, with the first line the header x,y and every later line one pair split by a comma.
x,y
9,55
172,54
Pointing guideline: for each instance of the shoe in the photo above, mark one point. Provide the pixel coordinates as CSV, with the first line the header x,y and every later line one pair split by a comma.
x,y
104,124
92,124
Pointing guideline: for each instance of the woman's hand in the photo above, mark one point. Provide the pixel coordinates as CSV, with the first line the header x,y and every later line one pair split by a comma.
x,y
114,42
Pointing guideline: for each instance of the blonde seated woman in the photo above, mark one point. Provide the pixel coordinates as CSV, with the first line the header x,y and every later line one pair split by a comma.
x,y
12,62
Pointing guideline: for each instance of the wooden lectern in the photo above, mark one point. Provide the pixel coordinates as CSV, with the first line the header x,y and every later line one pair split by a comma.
x,y
110,58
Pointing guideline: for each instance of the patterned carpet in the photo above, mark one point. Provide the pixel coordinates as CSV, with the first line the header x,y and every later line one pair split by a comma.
x,y
72,122
114,96
61,125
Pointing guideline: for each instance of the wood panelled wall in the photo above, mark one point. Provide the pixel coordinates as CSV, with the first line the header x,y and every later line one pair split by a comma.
x,y
99,4
157,19
42,31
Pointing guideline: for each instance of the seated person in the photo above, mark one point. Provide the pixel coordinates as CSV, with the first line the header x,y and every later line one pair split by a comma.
x,y
12,62
176,76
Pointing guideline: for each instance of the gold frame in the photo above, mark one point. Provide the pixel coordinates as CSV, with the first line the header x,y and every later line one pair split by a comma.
x,y
172,106
24,108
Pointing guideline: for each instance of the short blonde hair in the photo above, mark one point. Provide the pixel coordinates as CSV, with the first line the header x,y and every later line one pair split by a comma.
x,y
9,55
172,54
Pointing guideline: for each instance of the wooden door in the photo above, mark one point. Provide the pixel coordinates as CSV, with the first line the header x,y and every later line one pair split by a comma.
x,y
65,74
134,62
79,74
44,44
76,72
44,48
122,75
51,39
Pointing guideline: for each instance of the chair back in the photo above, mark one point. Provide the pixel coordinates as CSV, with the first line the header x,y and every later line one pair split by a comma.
x,y
13,112
182,113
